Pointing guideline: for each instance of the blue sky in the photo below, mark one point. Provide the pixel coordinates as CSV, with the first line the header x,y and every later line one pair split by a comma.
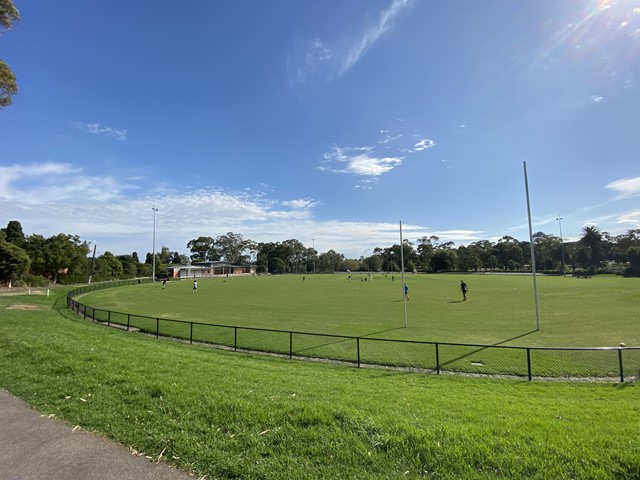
x,y
327,122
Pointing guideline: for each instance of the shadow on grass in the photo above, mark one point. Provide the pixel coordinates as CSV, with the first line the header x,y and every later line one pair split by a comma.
x,y
382,331
480,349
345,340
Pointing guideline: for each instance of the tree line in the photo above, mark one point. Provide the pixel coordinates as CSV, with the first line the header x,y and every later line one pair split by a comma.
x,y
63,258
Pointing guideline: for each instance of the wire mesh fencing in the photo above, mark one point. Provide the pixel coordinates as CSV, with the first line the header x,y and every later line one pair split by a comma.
x,y
612,363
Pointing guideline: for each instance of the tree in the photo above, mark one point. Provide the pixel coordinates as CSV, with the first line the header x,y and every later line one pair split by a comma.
x,y
634,258
591,239
444,260
374,263
425,250
14,234
203,249
108,267
350,264
14,263
468,259
129,265
65,255
233,247
507,248
9,15
548,251
330,261
297,253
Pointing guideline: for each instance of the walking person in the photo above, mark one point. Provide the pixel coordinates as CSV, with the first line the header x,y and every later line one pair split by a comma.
x,y
195,286
406,291
464,289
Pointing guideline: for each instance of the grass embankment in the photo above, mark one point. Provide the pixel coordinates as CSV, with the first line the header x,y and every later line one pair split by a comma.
x,y
229,415
597,312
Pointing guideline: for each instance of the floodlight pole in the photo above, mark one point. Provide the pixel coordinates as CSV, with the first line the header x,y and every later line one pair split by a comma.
x,y
533,253
404,296
153,252
314,254
561,244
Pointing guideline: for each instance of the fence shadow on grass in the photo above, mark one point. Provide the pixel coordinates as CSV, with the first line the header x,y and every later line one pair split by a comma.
x,y
485,347
344,340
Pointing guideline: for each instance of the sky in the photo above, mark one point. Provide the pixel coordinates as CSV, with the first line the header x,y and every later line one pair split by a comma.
x,y
327,122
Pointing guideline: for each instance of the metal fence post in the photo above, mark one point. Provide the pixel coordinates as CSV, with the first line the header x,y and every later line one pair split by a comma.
x,y
358,348
437,359
128,321
529,362
191,335
109,318
235,339
290,345
620,364
157,328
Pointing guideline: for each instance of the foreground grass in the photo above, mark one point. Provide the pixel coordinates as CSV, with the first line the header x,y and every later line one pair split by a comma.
x,y
598,312
229,415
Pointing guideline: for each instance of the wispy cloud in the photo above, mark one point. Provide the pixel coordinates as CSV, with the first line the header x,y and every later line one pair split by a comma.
x,y
630,218
424,144
317,59
103,130
374,161
372,35
625,187
50,182
358,161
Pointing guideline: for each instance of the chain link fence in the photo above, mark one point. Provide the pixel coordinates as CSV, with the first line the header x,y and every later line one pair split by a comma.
x,y
607,363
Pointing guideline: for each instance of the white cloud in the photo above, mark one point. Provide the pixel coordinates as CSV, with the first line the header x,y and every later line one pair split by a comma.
x,y
358,161
50,182
630,218
50,198
326,61
625,187
424,144
103,130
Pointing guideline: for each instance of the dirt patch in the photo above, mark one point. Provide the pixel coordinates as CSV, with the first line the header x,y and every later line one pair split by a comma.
x,y
22,306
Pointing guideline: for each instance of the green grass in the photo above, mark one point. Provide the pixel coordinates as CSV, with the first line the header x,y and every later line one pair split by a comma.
x,y
229,415
597,312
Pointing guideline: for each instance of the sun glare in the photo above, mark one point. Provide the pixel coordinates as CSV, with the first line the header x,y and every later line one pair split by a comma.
x,y
599,43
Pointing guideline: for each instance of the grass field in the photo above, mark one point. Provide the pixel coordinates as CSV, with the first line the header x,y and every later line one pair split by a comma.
x,y
596,312
229,415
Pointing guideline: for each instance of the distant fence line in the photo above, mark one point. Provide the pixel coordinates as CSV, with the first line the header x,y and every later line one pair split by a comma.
x,y
606,363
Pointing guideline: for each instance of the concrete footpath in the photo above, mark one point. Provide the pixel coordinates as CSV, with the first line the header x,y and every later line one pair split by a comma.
x,y
35,447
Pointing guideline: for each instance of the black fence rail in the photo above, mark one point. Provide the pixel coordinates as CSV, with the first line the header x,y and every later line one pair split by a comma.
x,y
606,363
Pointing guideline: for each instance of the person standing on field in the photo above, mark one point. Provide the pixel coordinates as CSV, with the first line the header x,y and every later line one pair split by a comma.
x,y
464,289
195,286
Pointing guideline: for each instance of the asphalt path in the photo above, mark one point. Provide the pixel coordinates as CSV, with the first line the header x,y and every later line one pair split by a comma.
x,y
39,447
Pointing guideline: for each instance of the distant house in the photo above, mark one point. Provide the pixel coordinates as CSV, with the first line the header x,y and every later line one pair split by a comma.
x,y
209,269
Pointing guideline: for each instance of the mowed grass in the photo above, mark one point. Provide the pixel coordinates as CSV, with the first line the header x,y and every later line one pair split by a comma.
x,y
596,312
229,415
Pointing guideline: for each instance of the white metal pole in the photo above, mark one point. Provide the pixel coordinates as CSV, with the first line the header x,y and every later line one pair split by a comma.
x,y
153,253
561,244
533,254
404,297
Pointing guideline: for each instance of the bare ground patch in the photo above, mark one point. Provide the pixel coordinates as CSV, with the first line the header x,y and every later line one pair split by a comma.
x,y
22,306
